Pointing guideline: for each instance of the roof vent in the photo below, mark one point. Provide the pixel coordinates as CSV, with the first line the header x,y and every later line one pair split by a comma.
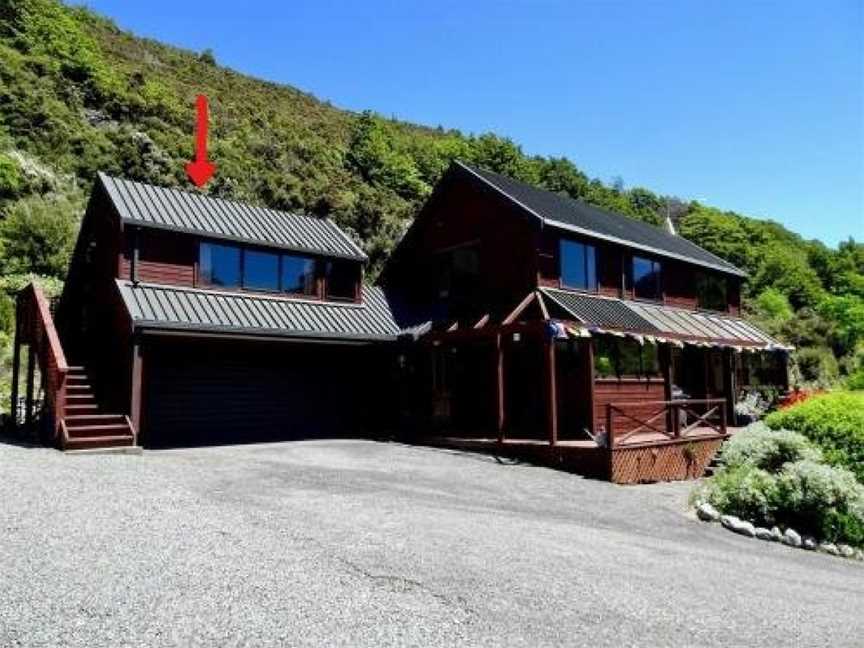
x,y
669,226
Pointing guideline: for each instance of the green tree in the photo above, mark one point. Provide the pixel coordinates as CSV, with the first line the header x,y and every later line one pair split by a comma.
x,y
37,236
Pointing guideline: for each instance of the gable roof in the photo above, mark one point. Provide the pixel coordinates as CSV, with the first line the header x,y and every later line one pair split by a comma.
x,y
611,315
556,210
183,211
177,308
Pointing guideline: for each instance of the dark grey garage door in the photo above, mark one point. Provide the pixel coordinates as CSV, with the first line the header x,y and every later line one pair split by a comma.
x,y
200,392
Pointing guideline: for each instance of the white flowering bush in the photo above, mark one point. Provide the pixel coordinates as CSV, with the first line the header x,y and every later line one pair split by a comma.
x,y
761,447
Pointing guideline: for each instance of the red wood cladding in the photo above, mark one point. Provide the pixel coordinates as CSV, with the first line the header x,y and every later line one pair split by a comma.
x,y
626,390
163,257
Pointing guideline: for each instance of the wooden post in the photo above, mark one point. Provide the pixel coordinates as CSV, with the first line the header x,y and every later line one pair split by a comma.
x,y
610,435
16,368
31,378
551,391
499,388
588,345
729,385
665,354
137,386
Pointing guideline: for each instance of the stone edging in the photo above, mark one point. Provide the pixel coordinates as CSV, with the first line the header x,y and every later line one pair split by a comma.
x,y
790,537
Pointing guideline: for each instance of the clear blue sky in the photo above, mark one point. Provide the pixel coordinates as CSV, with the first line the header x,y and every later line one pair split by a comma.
x,y
752,106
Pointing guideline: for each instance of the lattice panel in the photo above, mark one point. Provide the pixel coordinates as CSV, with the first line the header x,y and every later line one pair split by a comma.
x,y
670,462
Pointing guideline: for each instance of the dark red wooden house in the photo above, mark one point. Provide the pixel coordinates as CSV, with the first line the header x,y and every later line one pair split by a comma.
x,y
508,317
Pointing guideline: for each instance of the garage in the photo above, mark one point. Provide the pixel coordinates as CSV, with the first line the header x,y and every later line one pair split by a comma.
x,y
199,392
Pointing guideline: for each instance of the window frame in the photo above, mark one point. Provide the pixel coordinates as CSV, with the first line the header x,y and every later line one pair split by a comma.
x,y
701,279
588,288
327,295
319,289
660,295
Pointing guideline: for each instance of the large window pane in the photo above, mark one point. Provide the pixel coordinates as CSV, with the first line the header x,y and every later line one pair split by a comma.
x,y
298,275
646,278
341,279
219,265
578,265
711,291
260,270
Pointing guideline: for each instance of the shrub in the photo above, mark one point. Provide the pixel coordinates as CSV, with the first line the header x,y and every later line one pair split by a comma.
x,y
821,500
761,447
856,379
745,491
835,422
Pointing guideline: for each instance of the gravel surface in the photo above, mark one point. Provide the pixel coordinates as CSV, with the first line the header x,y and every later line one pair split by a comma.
x,y
362,543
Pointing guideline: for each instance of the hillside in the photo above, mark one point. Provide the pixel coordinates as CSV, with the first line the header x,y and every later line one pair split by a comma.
x,y
79,95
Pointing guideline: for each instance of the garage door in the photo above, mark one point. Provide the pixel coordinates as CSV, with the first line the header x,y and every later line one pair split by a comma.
x,y
201,392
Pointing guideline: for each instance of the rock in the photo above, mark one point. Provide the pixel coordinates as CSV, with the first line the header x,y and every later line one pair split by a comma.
x,y
791,538
738,526
777,534
859,555
764,534
846,551
829,548
707,513
809,543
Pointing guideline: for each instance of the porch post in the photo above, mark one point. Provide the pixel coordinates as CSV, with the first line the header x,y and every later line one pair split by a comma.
x,y
31,378
499,388
588,345
135,405
665,353
729,385
551,390
16,368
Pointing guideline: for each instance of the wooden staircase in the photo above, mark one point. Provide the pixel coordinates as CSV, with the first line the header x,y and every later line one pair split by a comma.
x,y
77,422
85,426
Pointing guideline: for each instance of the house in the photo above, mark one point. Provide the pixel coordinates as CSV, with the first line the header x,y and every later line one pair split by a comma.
x,y
508,317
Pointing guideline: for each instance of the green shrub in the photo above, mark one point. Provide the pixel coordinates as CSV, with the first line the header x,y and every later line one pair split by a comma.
x,y
821,500
761,447
855,381
10,177
745,491
835,422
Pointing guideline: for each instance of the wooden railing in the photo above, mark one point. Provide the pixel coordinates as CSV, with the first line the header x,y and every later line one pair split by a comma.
x,y
673,419
35,327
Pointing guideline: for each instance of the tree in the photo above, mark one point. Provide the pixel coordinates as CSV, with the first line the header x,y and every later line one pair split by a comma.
x,y
37,236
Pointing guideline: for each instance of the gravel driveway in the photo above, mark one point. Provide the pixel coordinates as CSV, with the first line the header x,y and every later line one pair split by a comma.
x,y
364,543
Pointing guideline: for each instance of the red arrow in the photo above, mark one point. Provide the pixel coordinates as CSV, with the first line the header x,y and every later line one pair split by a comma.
x,y
200,170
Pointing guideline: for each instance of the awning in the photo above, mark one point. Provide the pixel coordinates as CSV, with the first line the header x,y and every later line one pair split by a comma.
x,y
655,323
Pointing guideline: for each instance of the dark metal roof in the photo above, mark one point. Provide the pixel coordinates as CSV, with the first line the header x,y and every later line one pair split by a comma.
x,y
655,320
564,212
163,208
177,308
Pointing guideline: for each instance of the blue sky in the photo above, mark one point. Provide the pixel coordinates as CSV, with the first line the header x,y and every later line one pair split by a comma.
x,y
752,106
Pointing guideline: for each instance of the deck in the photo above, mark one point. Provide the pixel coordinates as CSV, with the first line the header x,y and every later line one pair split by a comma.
x,y
645,457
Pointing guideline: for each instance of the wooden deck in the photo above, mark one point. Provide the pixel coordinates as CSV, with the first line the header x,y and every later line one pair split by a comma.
x,y
646,457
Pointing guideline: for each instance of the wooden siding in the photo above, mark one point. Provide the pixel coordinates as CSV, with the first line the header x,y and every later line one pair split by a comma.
x,y
163,257
626,390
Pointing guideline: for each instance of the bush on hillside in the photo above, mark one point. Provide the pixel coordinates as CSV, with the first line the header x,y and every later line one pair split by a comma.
x,y
746,491
834,422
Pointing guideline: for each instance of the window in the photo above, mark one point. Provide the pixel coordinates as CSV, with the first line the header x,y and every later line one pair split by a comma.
x,y
578,265
458,273
625,357
260,270
219,265
646,278
341,279
298,275
711,292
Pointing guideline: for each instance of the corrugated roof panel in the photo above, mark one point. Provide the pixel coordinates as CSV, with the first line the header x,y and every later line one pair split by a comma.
x,y
174,307
655,319
149,205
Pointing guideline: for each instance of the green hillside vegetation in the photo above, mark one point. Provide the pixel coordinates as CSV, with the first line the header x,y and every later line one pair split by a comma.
x,y
78,95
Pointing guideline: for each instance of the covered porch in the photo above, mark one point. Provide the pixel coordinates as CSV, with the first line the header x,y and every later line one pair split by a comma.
x,y
562,387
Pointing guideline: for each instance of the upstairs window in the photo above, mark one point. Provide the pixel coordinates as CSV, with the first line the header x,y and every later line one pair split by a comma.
x,y
646,276
578,265
219,265
458,273
342,279
298,275
260,270
712,292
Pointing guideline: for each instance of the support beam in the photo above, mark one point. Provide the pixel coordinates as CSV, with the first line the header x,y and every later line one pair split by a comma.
x,y
137,386
551,391
31,379
499,388
588,346
16,369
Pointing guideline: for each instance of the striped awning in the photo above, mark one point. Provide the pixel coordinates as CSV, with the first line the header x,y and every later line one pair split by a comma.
x,y
657,323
